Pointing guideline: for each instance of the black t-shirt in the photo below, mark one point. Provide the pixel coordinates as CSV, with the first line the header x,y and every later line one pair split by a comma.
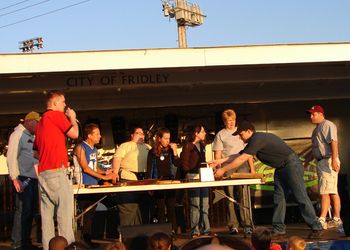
x,y
268,148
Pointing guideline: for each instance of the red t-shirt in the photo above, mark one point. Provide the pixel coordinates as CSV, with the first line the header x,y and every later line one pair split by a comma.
x,y
50,140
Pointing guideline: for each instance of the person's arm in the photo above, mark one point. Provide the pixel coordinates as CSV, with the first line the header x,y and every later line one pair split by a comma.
x,y
12,161
149,165
218,154
80,153
116,166
251,165
238,161
218,162
335,155
186,161
73,132
176,159
308,158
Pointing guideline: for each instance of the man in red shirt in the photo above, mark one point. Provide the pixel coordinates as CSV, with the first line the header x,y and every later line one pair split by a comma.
x,y
56,192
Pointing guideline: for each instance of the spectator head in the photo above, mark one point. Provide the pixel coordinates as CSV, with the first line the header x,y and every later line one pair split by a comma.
x,y
58,243
261,238
116,245
160,241
296,243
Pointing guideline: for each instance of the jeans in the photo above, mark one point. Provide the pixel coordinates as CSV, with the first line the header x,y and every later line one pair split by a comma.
x,y
232,221
26,208
199,202
291,177
166,200
56,193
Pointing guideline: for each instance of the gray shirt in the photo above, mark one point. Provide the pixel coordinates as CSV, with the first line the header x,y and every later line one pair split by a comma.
x,y
227,143
20,159
322,136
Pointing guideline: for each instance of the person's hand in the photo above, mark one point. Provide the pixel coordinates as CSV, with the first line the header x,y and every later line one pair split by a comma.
x,y
18,185
115,177
108,171
107,176
173,146
335,165
70,113
214,163
219,173
306,164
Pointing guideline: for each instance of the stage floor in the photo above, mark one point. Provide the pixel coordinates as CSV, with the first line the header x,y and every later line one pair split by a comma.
x,y
292,229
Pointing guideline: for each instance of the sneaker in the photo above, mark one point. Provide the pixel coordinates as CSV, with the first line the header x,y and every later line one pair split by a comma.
x,y
15,246
278,233
248,230
195,236
211,234
233,231
335,223
323,223
340,229
315,234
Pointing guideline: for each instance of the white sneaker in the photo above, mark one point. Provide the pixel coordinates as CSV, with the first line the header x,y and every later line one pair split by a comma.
x,y
323,223
340,229
335,223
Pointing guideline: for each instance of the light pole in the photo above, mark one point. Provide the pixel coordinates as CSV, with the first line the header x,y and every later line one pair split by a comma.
x,y
186,14
30,44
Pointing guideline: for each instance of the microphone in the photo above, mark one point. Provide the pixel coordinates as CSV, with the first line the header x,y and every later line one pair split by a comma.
x,y
150,128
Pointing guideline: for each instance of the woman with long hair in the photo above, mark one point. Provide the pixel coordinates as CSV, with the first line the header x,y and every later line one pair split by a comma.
x,y
192,156
160,164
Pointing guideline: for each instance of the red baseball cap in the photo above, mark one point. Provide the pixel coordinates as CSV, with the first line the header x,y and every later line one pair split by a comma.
x,y
316,108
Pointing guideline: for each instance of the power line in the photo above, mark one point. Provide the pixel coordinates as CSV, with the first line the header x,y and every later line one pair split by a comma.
x,y
27,7
44,14
9,6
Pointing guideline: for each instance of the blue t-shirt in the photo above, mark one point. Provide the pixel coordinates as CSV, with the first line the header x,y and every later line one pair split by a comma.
x,y
91,159
268,148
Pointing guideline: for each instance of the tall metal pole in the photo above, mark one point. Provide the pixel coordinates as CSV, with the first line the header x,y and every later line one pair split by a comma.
x,y
181,29
186,14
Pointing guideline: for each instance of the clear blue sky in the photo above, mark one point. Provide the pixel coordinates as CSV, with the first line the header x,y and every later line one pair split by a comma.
x,y
131,24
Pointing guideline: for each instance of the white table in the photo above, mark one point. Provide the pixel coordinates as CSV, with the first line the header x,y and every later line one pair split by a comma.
x,y
151,187
184,185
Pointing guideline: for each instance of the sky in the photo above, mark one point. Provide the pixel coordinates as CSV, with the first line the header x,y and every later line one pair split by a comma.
x,y
78,25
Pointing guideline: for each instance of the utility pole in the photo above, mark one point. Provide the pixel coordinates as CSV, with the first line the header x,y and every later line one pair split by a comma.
x,y
186,14
30,44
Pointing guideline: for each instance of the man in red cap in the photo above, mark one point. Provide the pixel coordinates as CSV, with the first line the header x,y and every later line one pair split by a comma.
x,y
325,151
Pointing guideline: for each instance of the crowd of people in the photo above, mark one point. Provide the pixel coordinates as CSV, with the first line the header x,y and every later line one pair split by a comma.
x,y
37,159
261,239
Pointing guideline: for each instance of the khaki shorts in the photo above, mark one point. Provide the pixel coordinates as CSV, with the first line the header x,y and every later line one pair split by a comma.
x,y
327,177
